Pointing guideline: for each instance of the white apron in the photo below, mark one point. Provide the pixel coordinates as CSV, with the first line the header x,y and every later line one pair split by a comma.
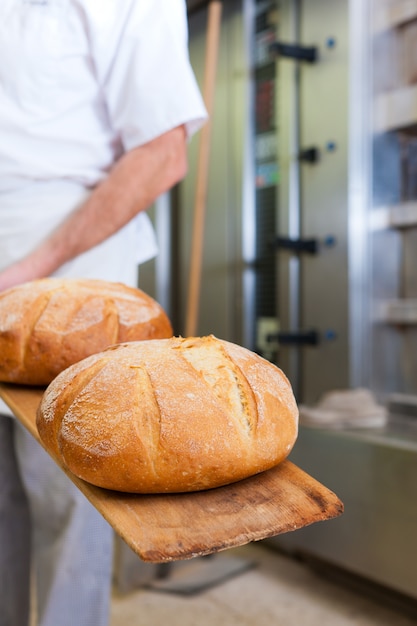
x,y
30,214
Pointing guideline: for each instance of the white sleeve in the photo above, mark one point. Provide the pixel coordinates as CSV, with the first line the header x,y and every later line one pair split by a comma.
x,y
140,50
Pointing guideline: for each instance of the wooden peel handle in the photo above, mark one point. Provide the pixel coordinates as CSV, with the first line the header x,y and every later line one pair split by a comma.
x,y
212,46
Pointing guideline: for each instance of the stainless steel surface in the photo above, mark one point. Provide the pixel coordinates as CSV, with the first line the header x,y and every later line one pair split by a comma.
x,y
289,217
403,404
323,202
248,185
364,288
325,196
393,290
163,273
359,194
373,472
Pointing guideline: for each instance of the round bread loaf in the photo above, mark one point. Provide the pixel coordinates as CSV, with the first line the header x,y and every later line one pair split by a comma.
x,y
48,324
169,415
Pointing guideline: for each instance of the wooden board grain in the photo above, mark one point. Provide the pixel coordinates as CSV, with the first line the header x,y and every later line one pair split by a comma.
x,y
162,528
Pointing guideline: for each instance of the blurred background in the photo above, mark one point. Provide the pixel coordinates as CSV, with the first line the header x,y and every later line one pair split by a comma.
x,y
310,250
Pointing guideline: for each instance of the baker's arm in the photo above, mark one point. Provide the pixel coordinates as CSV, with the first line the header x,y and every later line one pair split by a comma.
x,y
136,180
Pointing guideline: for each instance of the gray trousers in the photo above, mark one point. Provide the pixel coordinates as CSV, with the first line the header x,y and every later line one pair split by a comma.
x,y
48,527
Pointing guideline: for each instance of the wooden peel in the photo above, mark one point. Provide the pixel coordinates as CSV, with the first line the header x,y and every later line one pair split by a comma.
x,y
213,35
166,527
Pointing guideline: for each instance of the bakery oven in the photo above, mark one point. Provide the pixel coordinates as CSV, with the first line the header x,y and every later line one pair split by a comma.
x,y
347,305
310,250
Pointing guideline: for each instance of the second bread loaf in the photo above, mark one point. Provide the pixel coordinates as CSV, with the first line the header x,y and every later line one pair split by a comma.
x,y
48,324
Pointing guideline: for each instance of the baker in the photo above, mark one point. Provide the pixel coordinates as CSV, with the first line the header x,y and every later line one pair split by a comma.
x,y
97,102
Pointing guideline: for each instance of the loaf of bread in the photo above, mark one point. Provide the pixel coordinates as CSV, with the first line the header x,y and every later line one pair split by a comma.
x,y
48,324
169,415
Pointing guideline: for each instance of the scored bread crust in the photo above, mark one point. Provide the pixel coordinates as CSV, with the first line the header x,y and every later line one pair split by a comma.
x,y
48,324
169,415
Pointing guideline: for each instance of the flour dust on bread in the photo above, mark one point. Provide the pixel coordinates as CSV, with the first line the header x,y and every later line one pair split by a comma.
x,y
48,324
169,415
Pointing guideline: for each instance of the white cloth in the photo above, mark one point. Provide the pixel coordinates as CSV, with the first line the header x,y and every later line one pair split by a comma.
x,y
83,80
72,543
345,408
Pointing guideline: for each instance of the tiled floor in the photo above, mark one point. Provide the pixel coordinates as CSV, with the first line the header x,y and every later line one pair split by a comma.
x,y
277,591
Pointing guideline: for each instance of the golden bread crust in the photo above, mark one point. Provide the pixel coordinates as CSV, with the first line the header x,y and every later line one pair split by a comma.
x,y
169,415
51,323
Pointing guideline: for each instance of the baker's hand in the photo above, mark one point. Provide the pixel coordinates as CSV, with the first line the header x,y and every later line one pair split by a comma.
x,y
21,272
133,184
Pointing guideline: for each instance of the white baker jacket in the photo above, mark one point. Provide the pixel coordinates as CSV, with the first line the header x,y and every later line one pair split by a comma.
x,y
82,81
